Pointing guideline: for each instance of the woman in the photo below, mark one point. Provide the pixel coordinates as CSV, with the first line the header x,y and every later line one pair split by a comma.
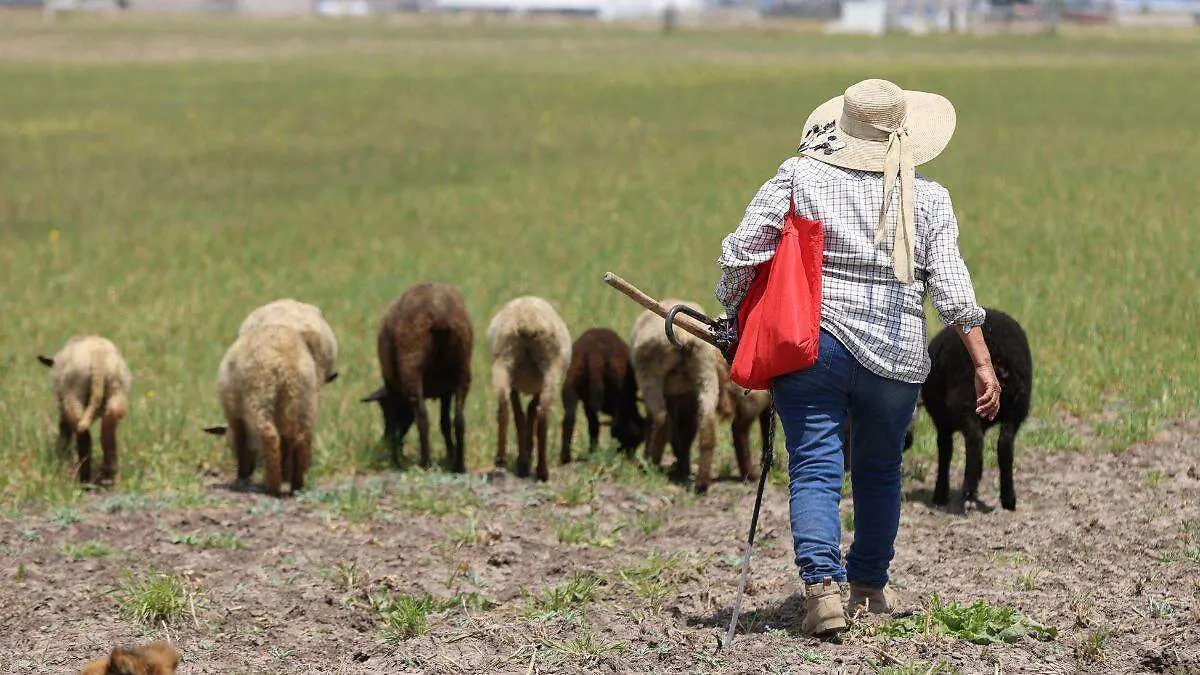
x,y
890,240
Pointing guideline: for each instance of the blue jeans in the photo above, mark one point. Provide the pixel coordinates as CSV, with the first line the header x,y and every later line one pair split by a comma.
x,y
813,405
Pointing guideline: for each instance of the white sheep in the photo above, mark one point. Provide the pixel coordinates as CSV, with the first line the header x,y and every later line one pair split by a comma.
x,y
530,347
685,382
90,378
270,385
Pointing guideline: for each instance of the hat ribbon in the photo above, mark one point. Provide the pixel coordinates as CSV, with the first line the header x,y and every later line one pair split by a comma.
x,y
897,168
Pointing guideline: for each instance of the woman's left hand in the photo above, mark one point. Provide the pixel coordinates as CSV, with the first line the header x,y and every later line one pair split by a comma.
x,y
987,391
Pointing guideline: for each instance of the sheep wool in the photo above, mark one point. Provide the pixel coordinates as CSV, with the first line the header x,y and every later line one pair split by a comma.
x,y
269,387
684,381
90,380
530,347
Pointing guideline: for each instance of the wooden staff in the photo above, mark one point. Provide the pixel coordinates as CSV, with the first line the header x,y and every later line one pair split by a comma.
x,y
634,293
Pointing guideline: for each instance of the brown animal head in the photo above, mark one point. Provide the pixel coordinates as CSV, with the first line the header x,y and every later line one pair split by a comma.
x,y
156,658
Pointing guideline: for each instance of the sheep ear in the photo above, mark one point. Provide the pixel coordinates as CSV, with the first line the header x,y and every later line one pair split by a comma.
x,y
46,360
377,395
215,431
331,378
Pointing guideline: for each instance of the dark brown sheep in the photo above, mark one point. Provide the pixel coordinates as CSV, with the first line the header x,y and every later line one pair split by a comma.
x,y
424,346
600,375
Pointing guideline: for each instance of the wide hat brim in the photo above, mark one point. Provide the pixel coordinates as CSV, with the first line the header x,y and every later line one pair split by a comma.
x,y
930,120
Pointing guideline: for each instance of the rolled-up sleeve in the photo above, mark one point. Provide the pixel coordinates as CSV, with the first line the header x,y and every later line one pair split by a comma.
x,y
949,283
755,239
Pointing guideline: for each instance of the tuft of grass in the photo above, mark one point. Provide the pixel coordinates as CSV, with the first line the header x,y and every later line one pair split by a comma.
x,y
1093,645
912,668
648,523
155,597
87,549
406,616
354,502
573,531
1160,609
980,623
579,488
1027,580
583,646
848,520
63,517
646,580
224,541
466,532
1154,478
576,593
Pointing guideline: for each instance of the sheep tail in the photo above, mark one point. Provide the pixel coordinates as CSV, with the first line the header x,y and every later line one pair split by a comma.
x,y
96,394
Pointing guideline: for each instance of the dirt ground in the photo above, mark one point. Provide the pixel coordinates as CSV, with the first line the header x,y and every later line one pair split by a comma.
x,y
1098,548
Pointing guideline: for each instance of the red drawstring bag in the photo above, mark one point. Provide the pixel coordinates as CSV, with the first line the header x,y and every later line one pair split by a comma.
x,y
779,321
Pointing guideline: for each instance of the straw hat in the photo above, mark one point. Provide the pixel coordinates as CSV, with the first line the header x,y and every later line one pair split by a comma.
x,y
877,126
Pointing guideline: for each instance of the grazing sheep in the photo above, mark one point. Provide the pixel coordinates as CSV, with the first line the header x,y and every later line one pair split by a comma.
x,y
424,350
309,321
743,408
949,398
530,347
90,378
599,375
270,389
156,658
682,391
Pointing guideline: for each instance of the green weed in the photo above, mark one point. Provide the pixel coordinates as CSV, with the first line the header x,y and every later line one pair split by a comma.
x,y
406,616
465,532
577,592
1154,478
979,622
579,488
224,541
1027,580
87,549
155,597
913,668
1093,645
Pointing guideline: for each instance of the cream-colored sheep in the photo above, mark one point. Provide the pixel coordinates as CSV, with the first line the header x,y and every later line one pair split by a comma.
x,y
683,381
270,389
530,347
90,378
310,321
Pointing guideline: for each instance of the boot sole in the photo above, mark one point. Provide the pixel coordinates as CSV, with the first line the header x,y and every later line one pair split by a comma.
x,y
829,627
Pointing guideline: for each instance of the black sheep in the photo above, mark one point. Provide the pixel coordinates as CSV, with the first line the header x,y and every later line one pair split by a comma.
x,y
949,398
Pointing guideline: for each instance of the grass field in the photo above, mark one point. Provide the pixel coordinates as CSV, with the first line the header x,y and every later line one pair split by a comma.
x,y
160,179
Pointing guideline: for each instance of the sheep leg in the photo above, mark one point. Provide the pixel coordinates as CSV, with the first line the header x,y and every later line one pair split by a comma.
x,y
683,434
272,471
502,410
422,424
460,432
524,447
447,437
539,415
656,412
108,442
83,446
593,422
1004,455
708,444
570,403
973,435
242,450
66,434
301,458
741,447
941,490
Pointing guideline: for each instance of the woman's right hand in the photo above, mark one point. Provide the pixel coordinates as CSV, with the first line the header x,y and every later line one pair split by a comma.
x,y
987,391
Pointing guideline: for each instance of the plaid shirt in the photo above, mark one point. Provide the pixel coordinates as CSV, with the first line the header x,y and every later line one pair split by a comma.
x,y
880,320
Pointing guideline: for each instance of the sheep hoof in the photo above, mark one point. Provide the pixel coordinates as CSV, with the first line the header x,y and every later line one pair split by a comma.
x,y
497,475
